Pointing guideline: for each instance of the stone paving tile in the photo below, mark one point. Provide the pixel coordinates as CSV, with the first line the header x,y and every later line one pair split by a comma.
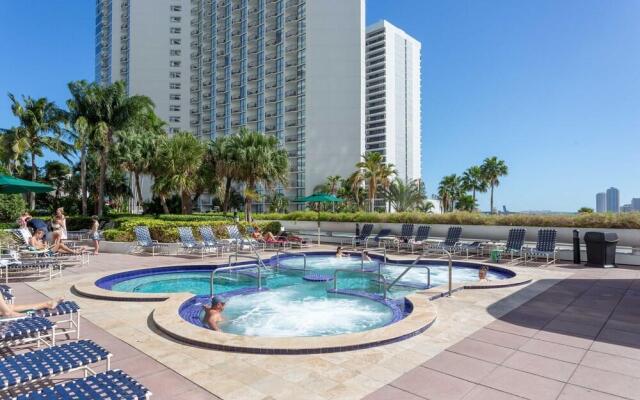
x,y
554,350
515,329
433,385
390,392
481,350
607,382
608,362
487,393
572,392
499,338
565,338
523,384
621,343
538,365
470,369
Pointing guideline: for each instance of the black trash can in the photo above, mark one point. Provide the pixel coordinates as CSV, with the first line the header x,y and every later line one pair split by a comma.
x,y
601,249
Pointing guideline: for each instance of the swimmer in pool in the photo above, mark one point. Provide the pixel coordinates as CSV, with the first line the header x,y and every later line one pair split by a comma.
x,y
213,313
339,253
365,256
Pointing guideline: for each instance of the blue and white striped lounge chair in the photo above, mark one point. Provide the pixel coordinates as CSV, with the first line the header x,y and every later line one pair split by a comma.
x,y
419,240
144,241
452,242
45,363
188,241
406,234
545,247
475,247
15,331
363,237
7,293
113,384
209,240
70,310
240,242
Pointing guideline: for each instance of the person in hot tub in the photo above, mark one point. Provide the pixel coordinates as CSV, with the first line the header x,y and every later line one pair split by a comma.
x,y
213,313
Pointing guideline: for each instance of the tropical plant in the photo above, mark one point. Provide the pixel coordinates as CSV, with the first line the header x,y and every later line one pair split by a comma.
x,y
56,174
492,170
372,170
260,161
449,191
40,128
178,168
278,203
473,180
11,205
106,109
465,203
585,210
221,156
405,196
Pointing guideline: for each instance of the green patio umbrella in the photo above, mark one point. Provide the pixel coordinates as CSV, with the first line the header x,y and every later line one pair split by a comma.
x,y
321,198
10,185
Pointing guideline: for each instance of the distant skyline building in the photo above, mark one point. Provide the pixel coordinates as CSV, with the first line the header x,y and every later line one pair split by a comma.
x,y
601,202
625,208
293,69
393,99
635,204
613,200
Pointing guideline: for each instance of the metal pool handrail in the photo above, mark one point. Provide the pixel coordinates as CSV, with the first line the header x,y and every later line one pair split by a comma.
x,y
230,267
384,251
436,249
278,252
377,274
408,268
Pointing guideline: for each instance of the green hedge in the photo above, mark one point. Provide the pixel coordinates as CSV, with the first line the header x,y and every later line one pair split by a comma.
x,y
587,220
167,231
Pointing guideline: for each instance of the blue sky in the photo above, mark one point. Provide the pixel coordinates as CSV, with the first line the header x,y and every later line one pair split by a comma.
x,y
552,87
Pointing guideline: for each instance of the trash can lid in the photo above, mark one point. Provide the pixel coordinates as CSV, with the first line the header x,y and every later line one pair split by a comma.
x,y
609,237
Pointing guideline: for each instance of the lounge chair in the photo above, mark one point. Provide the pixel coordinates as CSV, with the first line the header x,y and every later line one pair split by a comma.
x,y
384,233
514,245
21,330
452,242
467,248
545,247
46,363
363,237
406,234
188,242
144,241
113,384
29,262
209,239
419,240
239,242
68,309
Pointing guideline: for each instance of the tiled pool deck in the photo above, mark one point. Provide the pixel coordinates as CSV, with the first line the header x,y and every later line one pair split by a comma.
x,y
571,332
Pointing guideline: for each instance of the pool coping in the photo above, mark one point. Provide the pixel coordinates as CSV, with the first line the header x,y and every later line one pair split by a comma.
x,y
167,318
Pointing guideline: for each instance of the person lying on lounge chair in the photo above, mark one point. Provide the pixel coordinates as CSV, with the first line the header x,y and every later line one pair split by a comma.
x,y
291,238
267,237
17,310
37,243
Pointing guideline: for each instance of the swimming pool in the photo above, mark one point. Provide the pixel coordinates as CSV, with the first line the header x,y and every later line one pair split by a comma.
x,y
298,300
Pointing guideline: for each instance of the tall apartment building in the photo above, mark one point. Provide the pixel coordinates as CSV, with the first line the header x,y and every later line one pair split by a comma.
x,y
613,200
601,202
289,68
393,117
635,204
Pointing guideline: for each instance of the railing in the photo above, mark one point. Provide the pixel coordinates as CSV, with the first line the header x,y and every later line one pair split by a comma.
x,y
448,254
259,265
381,278
410,267
278,252
384,252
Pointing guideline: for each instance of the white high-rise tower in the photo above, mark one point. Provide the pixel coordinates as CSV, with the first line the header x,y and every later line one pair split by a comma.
x,y
393,117
289,68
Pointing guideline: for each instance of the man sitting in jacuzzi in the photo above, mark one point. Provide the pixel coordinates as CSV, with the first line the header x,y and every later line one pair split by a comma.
x,y
213,313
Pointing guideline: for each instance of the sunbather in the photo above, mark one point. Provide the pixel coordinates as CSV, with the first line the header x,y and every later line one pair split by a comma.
x,y
17,310
37,242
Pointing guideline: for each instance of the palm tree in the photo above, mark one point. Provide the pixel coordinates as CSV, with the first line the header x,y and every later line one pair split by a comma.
x,y
449,191
260,161
405,196
492,170
387,172
40,128
221,156
372,170
107,110
179,162
473,179
465,203
333,182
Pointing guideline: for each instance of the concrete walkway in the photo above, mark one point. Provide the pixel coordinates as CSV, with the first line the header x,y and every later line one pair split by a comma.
x,y
580,339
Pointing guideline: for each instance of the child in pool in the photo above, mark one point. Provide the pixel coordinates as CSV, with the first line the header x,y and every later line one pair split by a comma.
x,y
339,253
213,313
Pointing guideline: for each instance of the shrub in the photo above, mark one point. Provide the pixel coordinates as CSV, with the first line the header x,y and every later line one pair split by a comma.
x,y
11,206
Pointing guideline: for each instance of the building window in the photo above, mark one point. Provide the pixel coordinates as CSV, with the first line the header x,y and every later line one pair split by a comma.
x,y
175,8
175,52
174,130
175,85
175,19
174,63
174,118
174,107
174,97
175,74
174,41
174,30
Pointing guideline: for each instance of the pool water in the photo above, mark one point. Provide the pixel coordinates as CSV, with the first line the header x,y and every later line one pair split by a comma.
x,y
292,306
